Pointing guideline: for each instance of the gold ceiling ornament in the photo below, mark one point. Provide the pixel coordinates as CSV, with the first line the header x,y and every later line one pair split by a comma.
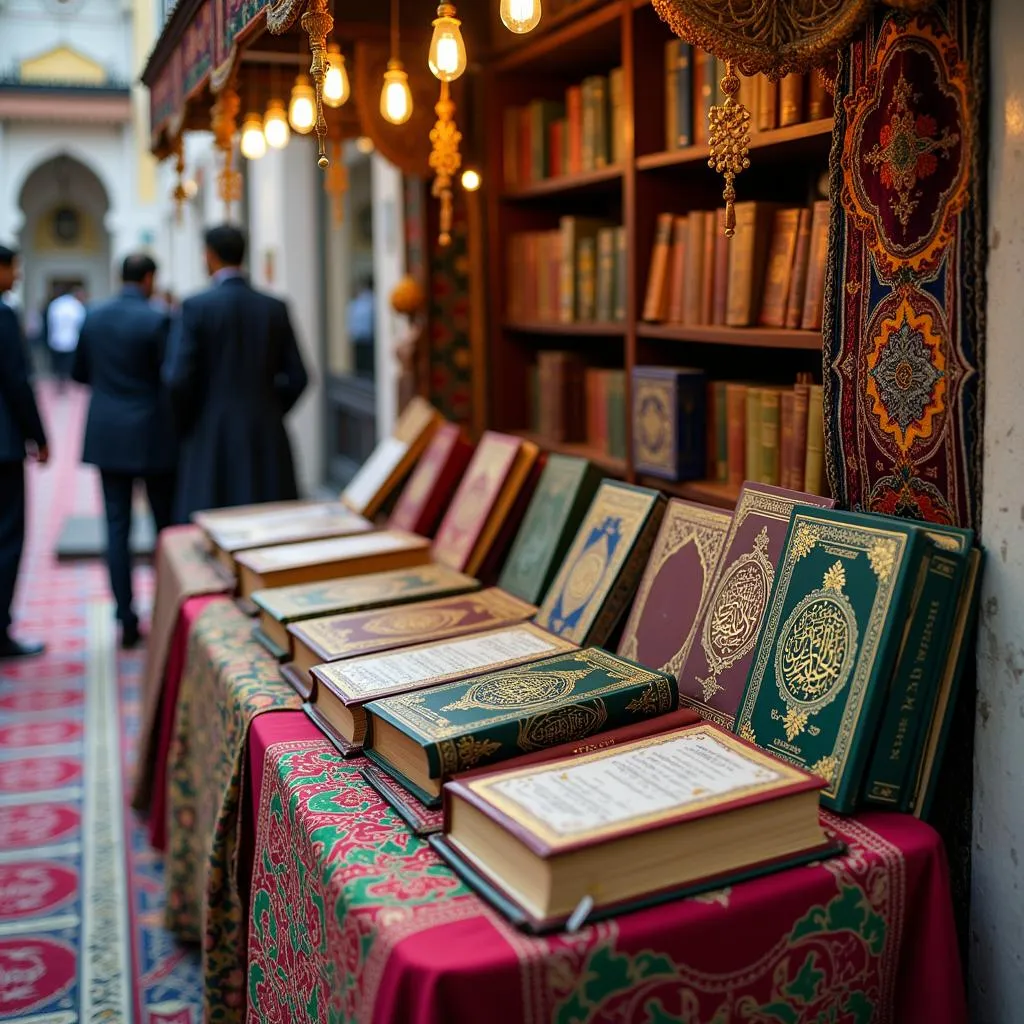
x,y
445,158
336,184
729,142
224,117
317,23
180,193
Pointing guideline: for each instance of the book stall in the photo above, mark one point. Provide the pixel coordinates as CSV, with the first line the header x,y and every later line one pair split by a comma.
x,y
637,703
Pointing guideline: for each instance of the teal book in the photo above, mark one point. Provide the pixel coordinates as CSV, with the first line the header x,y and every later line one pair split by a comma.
x,y
893,768
564,493
604,564
422,738
829,643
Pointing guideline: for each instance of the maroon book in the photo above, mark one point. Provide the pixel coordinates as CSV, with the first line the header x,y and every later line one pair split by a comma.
x,y
715,671
425,497
490,569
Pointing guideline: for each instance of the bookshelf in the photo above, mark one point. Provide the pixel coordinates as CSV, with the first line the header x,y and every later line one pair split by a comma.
x,y
642,180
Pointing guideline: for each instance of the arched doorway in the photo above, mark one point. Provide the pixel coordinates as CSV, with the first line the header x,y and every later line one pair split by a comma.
x,y
64,239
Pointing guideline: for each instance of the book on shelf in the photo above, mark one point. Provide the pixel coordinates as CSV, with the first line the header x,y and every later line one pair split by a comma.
x,y
720,271
678,95
280,607
616,419
663,620
604,396
656,300
676,284
574,129
736,433
424,738
670,421
814,462
819,100
798,278
596,123
290,564
683,811
830,642
715,671
604,305
767,104
621,272
752,420
748,258
344,688
798,465
704,93
618,116
334,637
599,576
779,274
563,494
791,99
814,293
579,267
562,412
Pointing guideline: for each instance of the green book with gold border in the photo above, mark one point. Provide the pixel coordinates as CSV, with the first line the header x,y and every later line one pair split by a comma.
x,y
829,643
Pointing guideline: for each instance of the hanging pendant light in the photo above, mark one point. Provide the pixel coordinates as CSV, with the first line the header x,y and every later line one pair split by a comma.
x,y
302,106
275,118
336,84
395,96
254,142
447,56
520,16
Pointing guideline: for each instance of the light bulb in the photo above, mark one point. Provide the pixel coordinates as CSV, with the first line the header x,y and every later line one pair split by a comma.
x,y
254,142
471,179
447,57
365,145
275,125
520,16
336,87
396,96
302,108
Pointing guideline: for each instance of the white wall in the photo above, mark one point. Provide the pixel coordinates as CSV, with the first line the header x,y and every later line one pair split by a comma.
x,y
997,907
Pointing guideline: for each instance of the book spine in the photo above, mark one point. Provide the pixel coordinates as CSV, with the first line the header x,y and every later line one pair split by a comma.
x,y
617,413
672,48
510,147
723,249
739,302
621,266
801,397
525,147
819,102
601,394
707,284
736,439
617,120
655,300
599,115
791,100
691,428
556,148
753,429
605,274
721,434
586,279
768,104
693,268
889,777
770,436
815,290
814,464
684,97
538,162
786,457
703,93
798,281
677,271
785,226
589,129
574,122
567,301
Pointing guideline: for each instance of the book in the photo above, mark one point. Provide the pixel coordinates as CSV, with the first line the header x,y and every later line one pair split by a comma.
x,y
657,296
707,283
829,643
615,415
621,275
617,116
767,104
787,454
798,279
791,99
753,430
425,496
672,48
574,128
785,227
318,641
603,566
423,738
510,147
562,415
801,399
604,310
705,88
596,152
684,97
425,821
664,617
814,463
578,236
677,270
715,672
344,688
747,260
819,102
670,421
814,292
736,436
496,474
389,464
586,279
720,295
281,606
556,148
693,267
564,493
769,436
721,432
334,558
543,113
639,823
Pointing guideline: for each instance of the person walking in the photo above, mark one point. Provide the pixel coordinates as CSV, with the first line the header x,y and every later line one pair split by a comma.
x,y
128,432
64,319
20,429
234,371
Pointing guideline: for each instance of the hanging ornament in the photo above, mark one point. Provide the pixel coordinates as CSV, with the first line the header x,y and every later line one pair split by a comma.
x,y
317,24
445,158
336,185
729,142
224,114
180,194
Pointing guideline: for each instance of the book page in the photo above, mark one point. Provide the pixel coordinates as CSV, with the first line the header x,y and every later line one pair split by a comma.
x,y
440,662
616,791
331,550
374,472
280,526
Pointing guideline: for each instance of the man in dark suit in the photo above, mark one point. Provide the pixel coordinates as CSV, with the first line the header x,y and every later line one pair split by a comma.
x,y
20,428
234,371
128,434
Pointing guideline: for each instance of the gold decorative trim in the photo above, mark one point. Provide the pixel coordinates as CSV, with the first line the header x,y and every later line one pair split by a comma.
x,y
445,159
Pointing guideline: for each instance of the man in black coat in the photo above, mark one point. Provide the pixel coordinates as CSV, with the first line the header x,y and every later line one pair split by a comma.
x,y
234,371
129,435
20,428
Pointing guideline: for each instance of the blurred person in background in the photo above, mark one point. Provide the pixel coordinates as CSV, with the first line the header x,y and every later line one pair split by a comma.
x,y
64,319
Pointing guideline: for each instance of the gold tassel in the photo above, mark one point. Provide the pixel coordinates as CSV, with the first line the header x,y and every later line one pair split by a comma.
x,y
729,142
445,159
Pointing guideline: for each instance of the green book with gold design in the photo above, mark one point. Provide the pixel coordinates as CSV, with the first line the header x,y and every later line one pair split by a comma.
x,y
564,492
829,643
422,738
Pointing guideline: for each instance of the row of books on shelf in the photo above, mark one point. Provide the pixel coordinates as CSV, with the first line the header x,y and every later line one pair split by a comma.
x,y
585,131
631,670
770,273
693,84
575,273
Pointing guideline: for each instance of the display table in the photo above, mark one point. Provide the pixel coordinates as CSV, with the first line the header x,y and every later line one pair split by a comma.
x,y
354,919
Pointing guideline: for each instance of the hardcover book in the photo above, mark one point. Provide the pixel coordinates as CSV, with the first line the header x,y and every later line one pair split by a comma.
x,y
280,607
329,559
392,459
344,636
604,564
674,588
670,421
425,497
422,738
344,687
564,493
681,811
496,474
830,641
715,671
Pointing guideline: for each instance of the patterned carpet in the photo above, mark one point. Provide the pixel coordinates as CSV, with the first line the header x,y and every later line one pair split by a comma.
x,y
81,893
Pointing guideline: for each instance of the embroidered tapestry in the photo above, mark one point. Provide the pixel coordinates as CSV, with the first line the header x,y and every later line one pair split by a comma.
x,y
904,317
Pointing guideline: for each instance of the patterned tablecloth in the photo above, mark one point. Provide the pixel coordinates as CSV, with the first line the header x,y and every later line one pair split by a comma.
x,y
354,919
228,681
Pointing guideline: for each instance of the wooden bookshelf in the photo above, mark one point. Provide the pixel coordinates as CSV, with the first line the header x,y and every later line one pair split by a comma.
x,y
788,165
610,464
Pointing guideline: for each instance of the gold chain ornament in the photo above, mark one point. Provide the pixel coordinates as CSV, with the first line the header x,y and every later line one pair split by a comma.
x,y
445,159
318,23
729,142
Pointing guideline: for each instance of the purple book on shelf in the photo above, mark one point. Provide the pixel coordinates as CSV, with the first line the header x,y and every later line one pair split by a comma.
x,y
715,672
